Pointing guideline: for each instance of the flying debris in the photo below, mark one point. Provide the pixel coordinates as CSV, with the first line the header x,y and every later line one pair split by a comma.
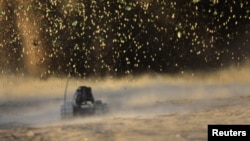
x,y
120,37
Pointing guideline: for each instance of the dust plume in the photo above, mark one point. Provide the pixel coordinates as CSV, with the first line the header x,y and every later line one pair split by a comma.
x,y
30,101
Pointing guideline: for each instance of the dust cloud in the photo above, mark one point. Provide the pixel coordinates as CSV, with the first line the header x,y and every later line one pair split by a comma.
x,y
26,101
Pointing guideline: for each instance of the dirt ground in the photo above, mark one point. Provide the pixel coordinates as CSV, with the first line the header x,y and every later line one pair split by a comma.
x,y
149,108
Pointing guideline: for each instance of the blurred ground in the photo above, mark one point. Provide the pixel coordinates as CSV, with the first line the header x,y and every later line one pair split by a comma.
x,y
146,108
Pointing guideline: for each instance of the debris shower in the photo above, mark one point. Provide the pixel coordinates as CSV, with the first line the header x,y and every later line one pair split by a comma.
x,y
121,37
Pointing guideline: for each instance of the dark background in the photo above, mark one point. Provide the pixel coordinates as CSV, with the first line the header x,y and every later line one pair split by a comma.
x,y
121,37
